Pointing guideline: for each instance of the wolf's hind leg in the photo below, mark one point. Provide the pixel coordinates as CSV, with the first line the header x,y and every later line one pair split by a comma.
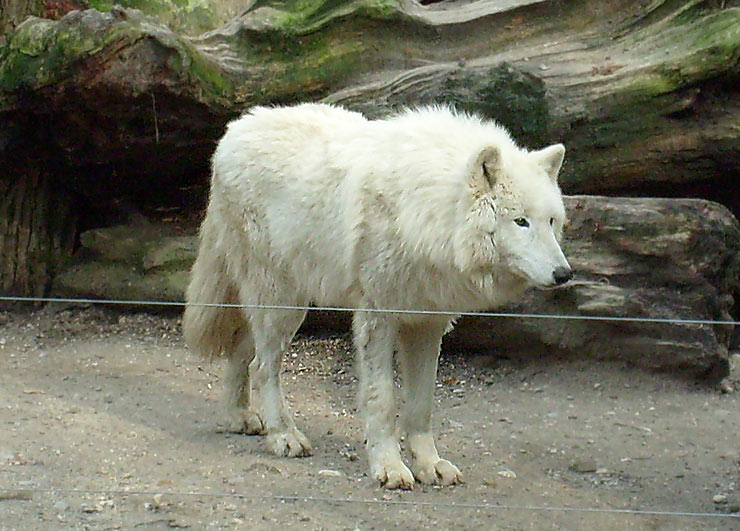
x,y
242,417
273,331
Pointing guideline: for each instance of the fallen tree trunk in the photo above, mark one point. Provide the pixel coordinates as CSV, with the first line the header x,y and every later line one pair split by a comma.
x,y
643,258
643,94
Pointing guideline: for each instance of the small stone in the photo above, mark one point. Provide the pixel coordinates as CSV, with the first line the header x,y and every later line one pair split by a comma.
x,y
506,473
330,473
735,365
61,506
719,498
585,466
264,467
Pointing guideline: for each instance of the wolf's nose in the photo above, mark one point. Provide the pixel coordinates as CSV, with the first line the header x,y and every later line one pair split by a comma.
x,y
561,275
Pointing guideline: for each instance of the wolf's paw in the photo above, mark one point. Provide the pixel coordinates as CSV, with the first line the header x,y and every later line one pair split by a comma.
x,y
291,443
441,472
246,421
393,475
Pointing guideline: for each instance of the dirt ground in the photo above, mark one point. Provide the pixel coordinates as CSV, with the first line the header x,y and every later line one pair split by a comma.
x,y
108,422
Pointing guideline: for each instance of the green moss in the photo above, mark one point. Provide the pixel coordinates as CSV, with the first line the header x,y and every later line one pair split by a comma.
x,y
42,52
305,16
215,85
38,53
514,98
187,15
713,41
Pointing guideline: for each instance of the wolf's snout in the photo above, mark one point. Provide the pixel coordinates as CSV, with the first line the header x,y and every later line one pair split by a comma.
x,y
561,275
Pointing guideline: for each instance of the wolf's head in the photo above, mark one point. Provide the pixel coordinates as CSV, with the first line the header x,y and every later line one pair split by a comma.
x,y
516,218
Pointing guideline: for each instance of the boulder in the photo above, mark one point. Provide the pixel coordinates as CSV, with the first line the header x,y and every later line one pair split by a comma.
x,y
633,258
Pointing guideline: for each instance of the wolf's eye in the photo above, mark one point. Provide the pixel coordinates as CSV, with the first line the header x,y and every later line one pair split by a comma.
x,y
552,221
522,222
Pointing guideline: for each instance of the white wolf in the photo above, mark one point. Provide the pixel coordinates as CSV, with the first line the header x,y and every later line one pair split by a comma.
x,y
430,209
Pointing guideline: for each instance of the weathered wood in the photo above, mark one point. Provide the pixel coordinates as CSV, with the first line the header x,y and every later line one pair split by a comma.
x,y
13,12
642,93
652,258
37,232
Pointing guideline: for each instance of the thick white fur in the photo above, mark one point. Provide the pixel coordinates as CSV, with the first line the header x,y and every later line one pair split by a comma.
x,y
315,204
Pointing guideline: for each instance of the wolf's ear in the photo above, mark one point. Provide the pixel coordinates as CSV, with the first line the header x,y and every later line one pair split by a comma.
x,y
487,165
551,159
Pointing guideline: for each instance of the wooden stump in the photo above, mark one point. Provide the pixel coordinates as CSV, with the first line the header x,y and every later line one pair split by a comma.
x,y
38,224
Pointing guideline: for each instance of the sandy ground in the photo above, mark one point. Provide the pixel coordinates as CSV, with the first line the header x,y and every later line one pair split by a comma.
x,y
108,422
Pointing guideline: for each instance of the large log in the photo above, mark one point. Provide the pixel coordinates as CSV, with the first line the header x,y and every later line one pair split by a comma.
x,y
650,258
638,92
641,93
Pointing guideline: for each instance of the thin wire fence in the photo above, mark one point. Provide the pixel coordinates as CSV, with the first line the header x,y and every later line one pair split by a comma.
x,y
367,501
451,313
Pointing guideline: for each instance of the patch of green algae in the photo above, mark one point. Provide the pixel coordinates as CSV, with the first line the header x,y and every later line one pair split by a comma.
x,y
42,52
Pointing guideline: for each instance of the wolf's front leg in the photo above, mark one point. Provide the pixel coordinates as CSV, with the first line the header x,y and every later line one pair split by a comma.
x,y
375,337
418,353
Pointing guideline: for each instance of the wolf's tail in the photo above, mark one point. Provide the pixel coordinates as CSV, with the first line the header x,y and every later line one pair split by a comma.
x,y
209,329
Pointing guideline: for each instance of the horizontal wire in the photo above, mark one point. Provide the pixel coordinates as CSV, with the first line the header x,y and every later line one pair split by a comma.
x,y
449,505
451,313
367,501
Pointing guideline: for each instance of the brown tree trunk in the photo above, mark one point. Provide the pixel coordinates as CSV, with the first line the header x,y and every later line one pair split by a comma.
x,y
38,224
13,12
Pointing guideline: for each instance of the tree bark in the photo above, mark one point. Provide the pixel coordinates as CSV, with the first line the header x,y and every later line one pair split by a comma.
x,y
38,225
13,12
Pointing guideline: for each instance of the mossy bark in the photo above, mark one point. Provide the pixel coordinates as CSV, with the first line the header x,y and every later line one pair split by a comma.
x,y
642,93
13,12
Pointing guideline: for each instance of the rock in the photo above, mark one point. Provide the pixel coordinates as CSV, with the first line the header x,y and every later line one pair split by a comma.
x,y
61,506
330,473
643,258
735,366
138,262
584,466
506,473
